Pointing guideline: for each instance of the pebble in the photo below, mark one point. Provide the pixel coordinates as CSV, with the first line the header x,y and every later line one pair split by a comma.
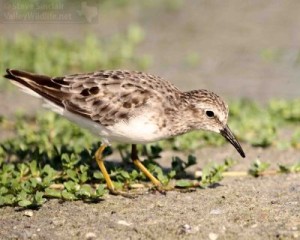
x,y
254,225
215,211
28,213
34,236
186,228
122,222
90,236
213,236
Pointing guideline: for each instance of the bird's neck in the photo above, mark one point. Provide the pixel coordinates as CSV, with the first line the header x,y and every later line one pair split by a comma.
x,y
183,110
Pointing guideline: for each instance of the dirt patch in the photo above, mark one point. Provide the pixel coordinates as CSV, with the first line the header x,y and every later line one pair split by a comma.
x,y
239,208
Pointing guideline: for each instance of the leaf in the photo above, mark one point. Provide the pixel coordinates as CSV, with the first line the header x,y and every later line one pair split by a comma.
x,y
134,175
8,199
258,167
71,186
184,183
38,198
284,168
125,174
3,190
295,168
100,191
24,203
85,191
98,175
67,195
34,168
72,174
118,185
53,193
172,174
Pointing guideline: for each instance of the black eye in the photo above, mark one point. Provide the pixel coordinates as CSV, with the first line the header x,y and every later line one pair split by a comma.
x,y
210,114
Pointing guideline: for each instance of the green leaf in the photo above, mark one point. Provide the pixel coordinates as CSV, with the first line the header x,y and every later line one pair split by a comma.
x,y
3,190
125,174
284,168
24,203
134,175
71,186
295,168
38,198
34,168
258,167
184,183
53,193
85,191
72,174
8,199
98,175
67,195
100,191
118,185
172,174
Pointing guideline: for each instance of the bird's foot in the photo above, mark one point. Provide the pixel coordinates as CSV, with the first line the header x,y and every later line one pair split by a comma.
x,y
123,194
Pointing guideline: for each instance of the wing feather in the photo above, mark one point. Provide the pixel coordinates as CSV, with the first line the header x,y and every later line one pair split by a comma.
x,y
103,96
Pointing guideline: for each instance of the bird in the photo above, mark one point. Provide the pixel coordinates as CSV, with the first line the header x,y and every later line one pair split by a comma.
x,y
129,107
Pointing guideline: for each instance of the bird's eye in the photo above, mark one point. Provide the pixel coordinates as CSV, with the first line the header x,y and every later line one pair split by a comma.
x,y
210,114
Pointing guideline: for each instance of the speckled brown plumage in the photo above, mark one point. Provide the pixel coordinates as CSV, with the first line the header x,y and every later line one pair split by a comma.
x,y
111,96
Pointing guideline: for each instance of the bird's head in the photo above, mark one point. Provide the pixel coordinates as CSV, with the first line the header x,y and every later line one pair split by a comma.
x,y
211,113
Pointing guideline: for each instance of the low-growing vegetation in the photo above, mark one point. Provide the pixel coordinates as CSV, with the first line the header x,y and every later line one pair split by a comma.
x,y
49,157
58,55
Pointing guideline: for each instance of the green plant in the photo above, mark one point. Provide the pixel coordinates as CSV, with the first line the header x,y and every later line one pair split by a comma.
x,y
56,56
258,167
294,168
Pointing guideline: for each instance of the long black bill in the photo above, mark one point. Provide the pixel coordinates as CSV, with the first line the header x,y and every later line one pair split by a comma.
x,y
226,133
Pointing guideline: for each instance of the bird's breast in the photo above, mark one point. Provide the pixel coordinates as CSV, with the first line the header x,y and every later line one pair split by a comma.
x,y
138,129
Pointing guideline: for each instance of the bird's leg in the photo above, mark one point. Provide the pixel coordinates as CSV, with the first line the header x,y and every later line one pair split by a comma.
x,y
99,159
137,162
109,183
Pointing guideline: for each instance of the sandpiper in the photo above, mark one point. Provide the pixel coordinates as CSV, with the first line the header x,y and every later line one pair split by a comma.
x,y
128,107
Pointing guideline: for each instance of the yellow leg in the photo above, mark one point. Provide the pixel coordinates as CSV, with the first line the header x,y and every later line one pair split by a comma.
x,y
99,159
144,170
140,166
109,183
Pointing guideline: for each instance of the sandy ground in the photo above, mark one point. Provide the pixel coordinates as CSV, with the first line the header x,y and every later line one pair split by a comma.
x,y
238,208
230,39
245,208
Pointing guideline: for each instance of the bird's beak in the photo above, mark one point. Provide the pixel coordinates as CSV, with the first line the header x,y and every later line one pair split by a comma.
x,y
226,132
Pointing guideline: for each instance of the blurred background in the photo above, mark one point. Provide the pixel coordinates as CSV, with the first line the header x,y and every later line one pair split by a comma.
x,y
248,49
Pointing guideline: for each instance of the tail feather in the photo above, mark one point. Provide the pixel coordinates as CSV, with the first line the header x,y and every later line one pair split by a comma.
x,y
41,80
40,84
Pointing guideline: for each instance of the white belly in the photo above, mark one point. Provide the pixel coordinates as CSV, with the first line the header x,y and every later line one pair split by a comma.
x,y
138,129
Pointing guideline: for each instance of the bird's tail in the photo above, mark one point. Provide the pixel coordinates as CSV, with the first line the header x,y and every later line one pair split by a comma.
x,y
36,85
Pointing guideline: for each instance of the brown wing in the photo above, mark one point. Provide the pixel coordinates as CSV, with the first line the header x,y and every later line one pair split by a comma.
x,y
103,96
40,84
